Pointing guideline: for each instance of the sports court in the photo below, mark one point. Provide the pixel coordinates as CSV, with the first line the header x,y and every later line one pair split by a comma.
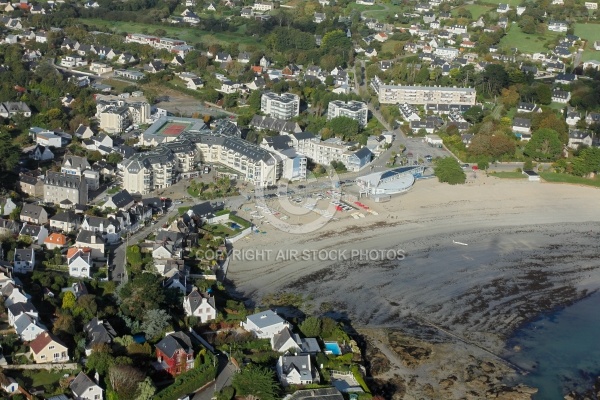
x,y
173,128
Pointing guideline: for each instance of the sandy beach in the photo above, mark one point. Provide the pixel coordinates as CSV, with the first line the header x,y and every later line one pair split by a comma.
x,y
529,248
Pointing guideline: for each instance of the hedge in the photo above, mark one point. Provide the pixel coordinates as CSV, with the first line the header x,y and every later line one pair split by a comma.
x,y
187,382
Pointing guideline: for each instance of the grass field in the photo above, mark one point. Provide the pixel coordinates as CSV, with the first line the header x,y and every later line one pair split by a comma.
x,y
190,35
527,43
508,175
477,10
566,178
590,33
362,7
383,14
511,3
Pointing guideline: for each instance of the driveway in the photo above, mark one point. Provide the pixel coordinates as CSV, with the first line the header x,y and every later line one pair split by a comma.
x,y
225,375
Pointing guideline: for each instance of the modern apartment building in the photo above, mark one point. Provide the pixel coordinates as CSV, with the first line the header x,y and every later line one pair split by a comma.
x,y
114,119
357,110
326,151
159,168
394,94
60,187
117,114
291,164
282,106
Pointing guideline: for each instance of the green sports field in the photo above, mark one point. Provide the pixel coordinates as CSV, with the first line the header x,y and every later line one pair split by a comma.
x,y
527,43
590,33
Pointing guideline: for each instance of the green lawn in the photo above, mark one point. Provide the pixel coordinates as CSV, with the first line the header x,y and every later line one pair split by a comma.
x,y
527,43
566,178
477,10
362,7
512,3
590,33
189,34
508,175
37,378
383,14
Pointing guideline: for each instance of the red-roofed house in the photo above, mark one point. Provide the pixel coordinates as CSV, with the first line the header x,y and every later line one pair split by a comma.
x,y
257,69
55,240
381,37
46,348
80,262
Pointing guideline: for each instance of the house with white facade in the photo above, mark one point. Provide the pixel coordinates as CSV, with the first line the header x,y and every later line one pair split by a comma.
x,y
200,305
79,261
265,324
296,370
84,388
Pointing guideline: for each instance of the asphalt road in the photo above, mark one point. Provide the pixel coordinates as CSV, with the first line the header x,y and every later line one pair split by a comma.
x,y
225,375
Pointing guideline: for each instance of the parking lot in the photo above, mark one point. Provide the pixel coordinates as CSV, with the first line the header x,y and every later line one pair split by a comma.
x,y
420,149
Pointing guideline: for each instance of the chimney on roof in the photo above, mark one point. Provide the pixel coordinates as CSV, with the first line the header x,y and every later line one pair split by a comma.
x,y
93,239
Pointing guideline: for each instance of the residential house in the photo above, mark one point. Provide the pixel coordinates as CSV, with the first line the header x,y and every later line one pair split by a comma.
x,y
200,305
561,96
55,241
502,8
84,388
565,79
578,138
8,384
41,153
12,294
38,233
592,118
34,214
66,221
573,117
98,332
7,206
31,185
47,348
24,260
79,166
9,227
265,325
93,240
521,125
591,64
296,370
109,228
28,328
17,309
558,26
174,353
79,261
523,107
120,201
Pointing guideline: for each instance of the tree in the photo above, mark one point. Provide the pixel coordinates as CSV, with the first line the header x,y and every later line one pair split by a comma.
x,y
145,390
101,359
155,322
474,114
343,126
256,381
9,152
311,327
543,93
495,78
68,301
448,170
15,214
254,101
114,158
125,379
142,293
545,145
94,156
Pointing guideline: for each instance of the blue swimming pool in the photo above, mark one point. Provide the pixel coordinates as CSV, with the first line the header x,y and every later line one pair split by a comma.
x,y
235,226
334,348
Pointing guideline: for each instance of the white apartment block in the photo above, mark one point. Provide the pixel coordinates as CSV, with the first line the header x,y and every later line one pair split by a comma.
x,y
357,110
326,151
114,119
284,106
115,115
154,41
159,168
262,6
291,164
393,94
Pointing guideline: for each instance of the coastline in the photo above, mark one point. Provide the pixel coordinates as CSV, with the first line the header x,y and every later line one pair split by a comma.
x,y
530,248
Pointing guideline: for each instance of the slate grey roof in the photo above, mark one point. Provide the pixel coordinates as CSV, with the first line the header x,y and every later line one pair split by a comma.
x,y
85,236
273,124
278,142
31,211
303,135
20,308
122,198
23,255
81,384
66,216
76,162
195,299
265,319
522,122
174,342
22,322
30,230
281,338
63,180
99,331
300,363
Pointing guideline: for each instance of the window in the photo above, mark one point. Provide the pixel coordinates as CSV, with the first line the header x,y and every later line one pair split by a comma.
x,y
51,347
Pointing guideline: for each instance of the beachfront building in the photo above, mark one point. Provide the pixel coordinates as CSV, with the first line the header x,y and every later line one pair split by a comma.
x,y
282,106
291,164
183,143
395,94
387,183
357,110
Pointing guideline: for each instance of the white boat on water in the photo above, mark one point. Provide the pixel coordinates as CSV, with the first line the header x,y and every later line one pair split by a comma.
x,y
461,243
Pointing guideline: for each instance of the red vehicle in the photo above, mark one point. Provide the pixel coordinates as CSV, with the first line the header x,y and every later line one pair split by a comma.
x,y
475,167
